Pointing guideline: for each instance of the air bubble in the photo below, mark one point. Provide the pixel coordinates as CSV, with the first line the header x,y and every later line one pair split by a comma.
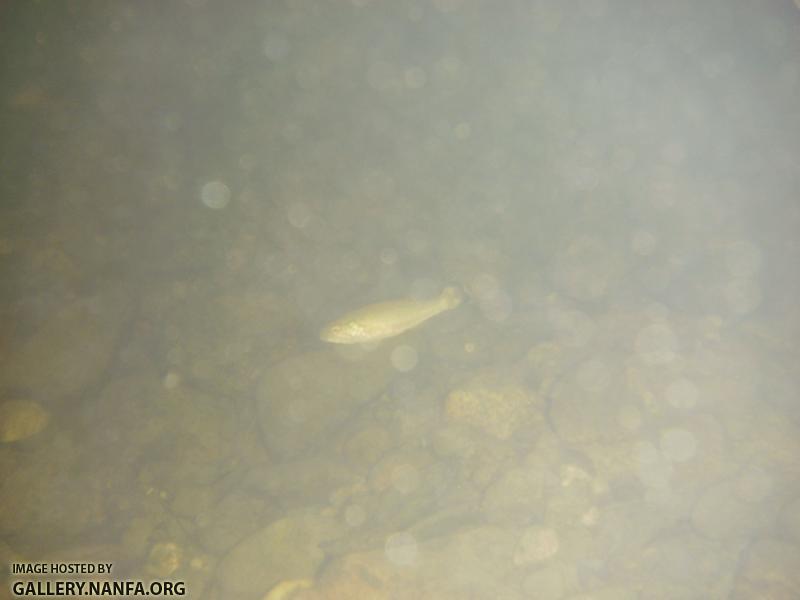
x,y
215,195
275,46
742,259
742,295
682,394
643,243
172,380
389,256
496,306
299,215
414,78
404,358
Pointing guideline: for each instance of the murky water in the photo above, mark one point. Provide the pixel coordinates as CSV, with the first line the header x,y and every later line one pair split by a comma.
x,y
191,190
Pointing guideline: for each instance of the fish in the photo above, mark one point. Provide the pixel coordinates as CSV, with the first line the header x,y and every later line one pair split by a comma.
x,y
387,319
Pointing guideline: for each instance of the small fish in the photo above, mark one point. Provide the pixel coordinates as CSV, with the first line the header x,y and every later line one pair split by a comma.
x,y
387,319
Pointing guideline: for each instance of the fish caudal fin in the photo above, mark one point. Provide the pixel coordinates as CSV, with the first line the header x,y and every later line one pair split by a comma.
x,y
451,297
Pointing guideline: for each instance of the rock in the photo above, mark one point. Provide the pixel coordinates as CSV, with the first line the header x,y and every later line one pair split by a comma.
x,y
303,399
766,433
230,520
198,431
496,407
21,419
300,482
70,350
550,582
49,497
288,548
770,571
164,559
192,501
712,460
628,527
221,340
684,561
722,514
365,447
474,563
588,269
454,441
404,471
288,589
517,496
365,575
592,404
410,492
536,545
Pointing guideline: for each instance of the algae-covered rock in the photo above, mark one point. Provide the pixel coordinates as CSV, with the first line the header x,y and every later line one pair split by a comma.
x,y
303,398
21,419
495,405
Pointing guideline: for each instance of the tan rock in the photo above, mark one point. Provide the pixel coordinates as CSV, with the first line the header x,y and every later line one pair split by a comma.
x,y
21,419
70,350
495,407
288,589
165,558
288,548
364,575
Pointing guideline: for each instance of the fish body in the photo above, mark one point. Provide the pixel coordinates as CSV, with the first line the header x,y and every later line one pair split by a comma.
x,y
387,319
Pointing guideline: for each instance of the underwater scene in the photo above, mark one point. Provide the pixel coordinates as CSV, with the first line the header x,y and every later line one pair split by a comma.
x,y
400,299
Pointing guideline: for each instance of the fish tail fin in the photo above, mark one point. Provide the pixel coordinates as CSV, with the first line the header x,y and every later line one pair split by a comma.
x,y
451,297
